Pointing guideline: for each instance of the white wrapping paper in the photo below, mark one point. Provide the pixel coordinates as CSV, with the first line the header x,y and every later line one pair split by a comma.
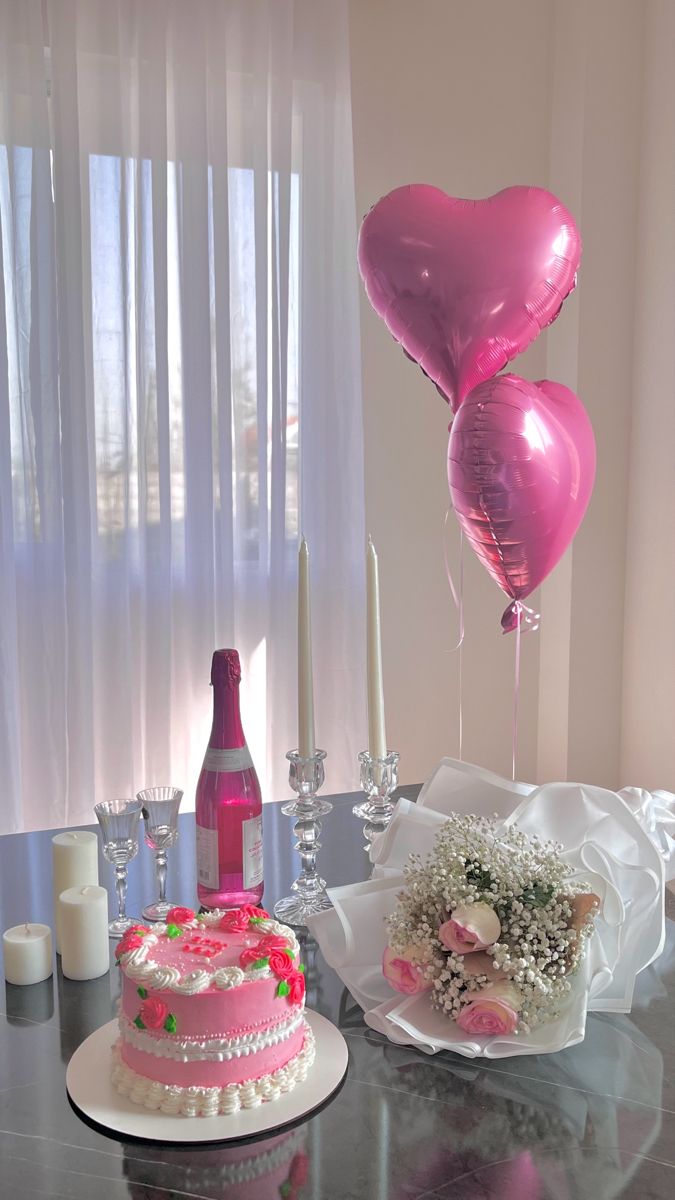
x,y
620,843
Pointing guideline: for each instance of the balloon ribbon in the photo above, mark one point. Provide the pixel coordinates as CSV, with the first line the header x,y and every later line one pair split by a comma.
x,y
525,620
458,598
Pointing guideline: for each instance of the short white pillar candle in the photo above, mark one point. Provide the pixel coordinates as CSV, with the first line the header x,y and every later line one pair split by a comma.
x,y
74,864
28,953
85,945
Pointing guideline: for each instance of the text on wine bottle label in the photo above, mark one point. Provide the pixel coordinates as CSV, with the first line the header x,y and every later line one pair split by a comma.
x,y
207,857
238,759
252,849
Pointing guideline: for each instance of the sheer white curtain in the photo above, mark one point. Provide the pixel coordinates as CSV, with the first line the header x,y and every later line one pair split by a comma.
x,y
179,389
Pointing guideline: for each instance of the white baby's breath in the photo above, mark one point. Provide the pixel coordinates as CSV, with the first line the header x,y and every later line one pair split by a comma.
x,y
525,880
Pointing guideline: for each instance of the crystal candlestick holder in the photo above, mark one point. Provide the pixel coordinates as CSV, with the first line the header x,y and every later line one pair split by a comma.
x,y
306,775
379,777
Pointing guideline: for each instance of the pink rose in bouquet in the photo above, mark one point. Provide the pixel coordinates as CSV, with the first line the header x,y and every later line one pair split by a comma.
x,y
470,927
403,974
492,1012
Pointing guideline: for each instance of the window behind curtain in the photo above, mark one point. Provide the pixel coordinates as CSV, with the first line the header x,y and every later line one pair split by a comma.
x,y
180,392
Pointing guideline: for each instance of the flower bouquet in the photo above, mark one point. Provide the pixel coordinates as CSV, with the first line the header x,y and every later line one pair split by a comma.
x,y
498,915
491,926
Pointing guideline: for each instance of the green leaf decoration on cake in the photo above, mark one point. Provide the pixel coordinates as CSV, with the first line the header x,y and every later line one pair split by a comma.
x,y
142,992
138,1023
285,1190
260,963
200,917
170,1023
172,931
288,952
301,968
256,920
283,988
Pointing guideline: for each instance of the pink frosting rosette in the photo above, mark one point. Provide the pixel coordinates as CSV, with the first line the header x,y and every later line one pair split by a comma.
x,y
153,1013
403,974
237,919
273,944
272,941
470,927
281,964
179,915
131,940
296,987
493,1012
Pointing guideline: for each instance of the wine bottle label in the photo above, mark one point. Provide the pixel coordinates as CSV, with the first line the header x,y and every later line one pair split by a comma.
x,y
252,852
207,857
237,759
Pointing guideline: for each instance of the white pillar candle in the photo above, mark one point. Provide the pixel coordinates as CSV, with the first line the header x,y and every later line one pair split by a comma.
x,y
377,737
85,945
74,864
28,953
306,743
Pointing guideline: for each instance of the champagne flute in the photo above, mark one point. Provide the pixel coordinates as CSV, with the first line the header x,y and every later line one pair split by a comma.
x,y
160,813
119,825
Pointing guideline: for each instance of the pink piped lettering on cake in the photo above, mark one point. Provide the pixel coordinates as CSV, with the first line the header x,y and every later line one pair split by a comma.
x,y
205,946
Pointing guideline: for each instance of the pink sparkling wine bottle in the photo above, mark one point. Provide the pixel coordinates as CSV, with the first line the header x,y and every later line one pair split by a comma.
x,y
229,805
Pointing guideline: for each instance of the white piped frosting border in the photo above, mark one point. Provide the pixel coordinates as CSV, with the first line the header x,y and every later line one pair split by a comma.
x,y
210,1102
211,1049
143,969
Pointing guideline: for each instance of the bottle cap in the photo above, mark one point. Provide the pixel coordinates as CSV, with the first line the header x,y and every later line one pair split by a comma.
x,y
226,667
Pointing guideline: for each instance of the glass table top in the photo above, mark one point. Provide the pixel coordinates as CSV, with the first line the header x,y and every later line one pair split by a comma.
x,y
596,1121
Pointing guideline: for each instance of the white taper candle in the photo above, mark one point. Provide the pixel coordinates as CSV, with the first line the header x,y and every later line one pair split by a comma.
x,y
306,743
377,737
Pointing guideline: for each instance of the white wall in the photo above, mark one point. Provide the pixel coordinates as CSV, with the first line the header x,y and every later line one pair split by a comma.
x,y
441,95
472,98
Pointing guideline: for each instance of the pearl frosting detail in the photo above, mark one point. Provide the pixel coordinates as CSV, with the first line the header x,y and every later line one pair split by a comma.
x,y
210,1049
212,1101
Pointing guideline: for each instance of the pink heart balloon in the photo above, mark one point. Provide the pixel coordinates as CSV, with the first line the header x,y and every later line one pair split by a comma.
x,y
521,465
465,285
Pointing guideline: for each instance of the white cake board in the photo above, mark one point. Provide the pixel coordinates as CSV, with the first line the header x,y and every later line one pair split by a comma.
x,y
92,1094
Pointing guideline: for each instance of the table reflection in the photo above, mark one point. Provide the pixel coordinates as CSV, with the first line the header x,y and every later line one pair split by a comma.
x,y
269,1169
87,1006
32,1003
541,1127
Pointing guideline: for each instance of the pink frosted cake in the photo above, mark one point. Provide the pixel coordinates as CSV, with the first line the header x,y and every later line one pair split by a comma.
x,y
211,1013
